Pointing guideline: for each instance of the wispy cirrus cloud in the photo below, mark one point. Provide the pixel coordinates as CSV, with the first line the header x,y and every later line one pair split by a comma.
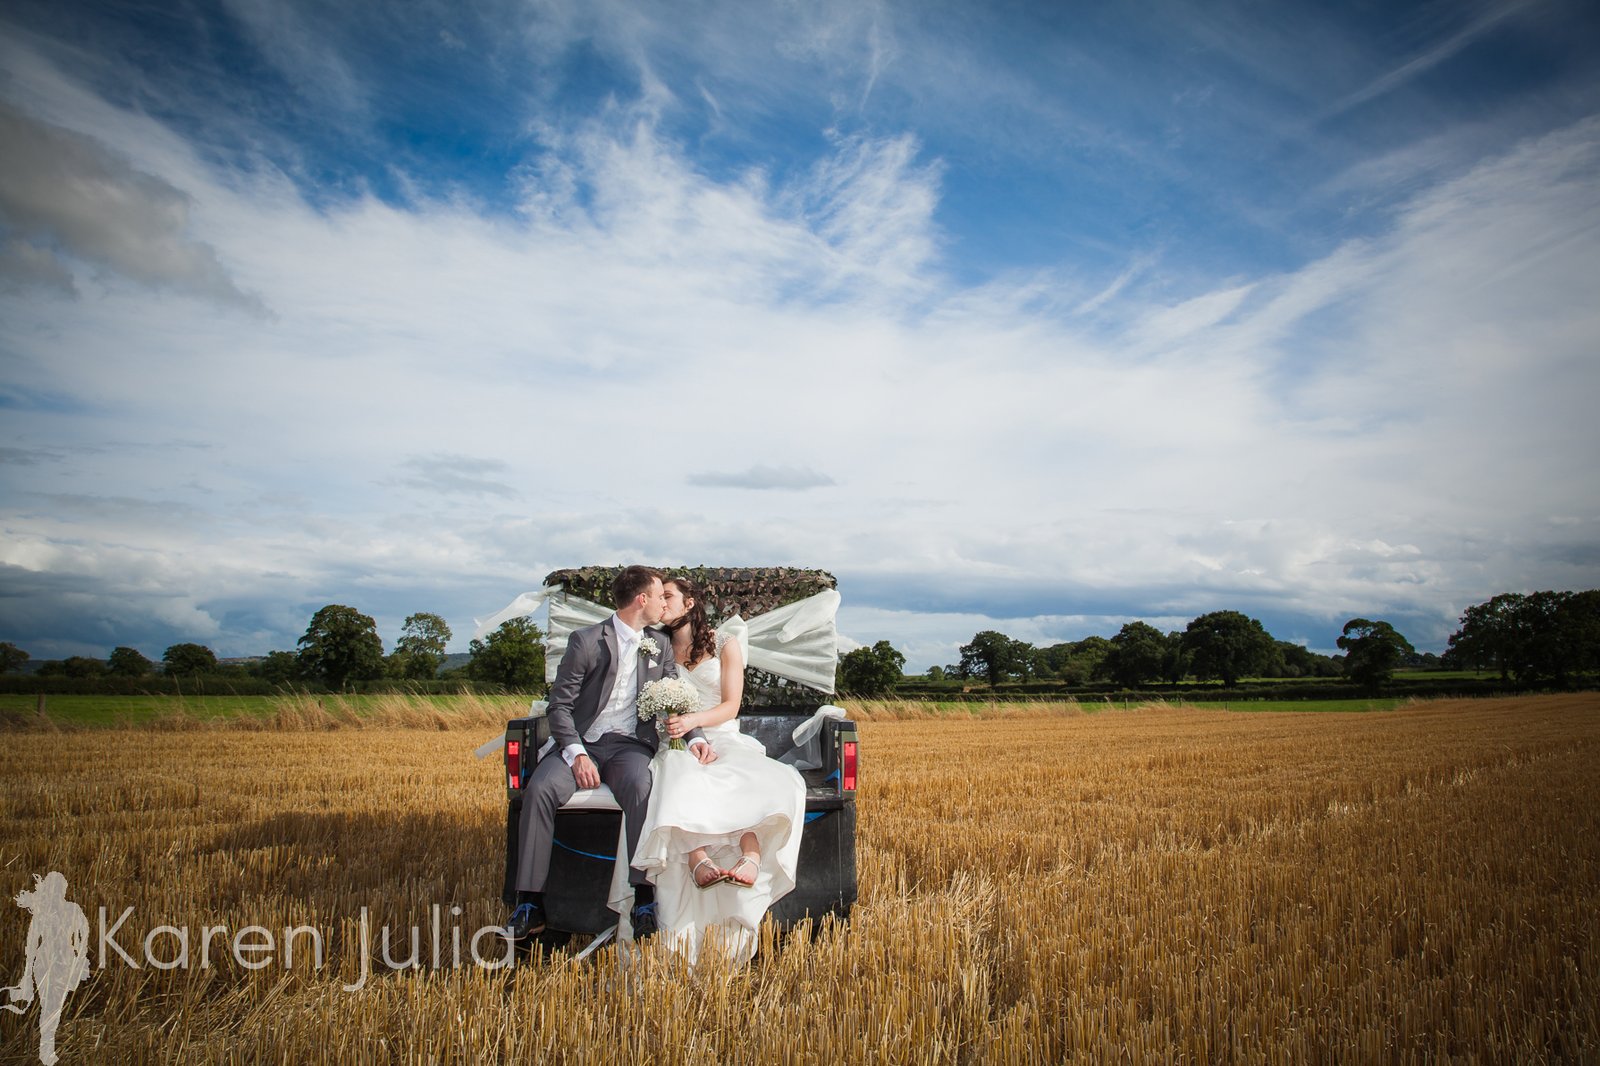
x,y
1491,16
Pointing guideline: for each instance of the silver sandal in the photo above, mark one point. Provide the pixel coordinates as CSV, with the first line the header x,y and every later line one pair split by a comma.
x,y
743,859
706,884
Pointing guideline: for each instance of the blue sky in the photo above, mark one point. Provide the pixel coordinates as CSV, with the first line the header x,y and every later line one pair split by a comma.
x,y
1034,317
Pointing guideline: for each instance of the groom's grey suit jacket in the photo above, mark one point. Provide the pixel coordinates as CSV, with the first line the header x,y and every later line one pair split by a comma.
x,y
587,674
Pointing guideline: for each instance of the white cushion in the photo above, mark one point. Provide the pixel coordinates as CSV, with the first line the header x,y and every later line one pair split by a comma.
x,y
592,799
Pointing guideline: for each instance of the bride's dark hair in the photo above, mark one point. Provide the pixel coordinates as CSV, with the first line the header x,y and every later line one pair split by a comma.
x,y
702,638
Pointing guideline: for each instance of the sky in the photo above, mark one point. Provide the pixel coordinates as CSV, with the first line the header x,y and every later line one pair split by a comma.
x,y
1037,317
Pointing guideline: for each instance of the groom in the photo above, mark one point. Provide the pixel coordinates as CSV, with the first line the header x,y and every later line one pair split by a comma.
x,y
594,720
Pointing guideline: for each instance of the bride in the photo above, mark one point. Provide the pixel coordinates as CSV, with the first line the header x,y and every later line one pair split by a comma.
x,y
720,840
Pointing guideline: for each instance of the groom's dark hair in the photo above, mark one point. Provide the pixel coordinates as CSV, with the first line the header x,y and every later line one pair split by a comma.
x,y
626,586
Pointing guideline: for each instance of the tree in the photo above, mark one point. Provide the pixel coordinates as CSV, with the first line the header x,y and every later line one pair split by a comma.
x,y
278,667
188,660
1534,637
1137,655
340,645
513,656
1087,661
1052,660
11,657
127,662
1557,635
1540,649
1296,659
1276,665
994,657
1227,645
1579,622
1488,635
420,649
1175,664
870,671
83,666
1300,661
1372,651
1560,635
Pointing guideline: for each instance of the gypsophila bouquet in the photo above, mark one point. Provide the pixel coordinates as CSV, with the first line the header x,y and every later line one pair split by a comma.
x,y
664,698
648,648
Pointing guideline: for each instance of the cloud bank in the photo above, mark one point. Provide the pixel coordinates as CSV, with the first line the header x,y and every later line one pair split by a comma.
x,y
230,402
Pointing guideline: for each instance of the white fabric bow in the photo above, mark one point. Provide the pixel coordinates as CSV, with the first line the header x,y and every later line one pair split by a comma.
x,y
798,641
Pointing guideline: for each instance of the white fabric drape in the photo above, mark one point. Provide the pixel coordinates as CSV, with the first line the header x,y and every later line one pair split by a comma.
x,y
807,751
798,641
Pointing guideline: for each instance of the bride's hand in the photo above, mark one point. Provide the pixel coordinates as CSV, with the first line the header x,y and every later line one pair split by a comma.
x,y
678,725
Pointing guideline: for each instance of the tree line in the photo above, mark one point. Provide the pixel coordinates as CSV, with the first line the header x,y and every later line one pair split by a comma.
x,y
1532,638
341,646
1219,646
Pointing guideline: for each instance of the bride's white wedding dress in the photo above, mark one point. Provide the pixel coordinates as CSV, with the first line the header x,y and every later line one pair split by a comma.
x,y
693,804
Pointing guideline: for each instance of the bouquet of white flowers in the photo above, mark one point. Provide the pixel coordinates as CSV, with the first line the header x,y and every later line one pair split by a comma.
x,y
665,697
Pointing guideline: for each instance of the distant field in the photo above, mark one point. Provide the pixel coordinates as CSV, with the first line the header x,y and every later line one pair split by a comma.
x,y
97,712
188,711
1037,885
1386,704
975,706
1399,675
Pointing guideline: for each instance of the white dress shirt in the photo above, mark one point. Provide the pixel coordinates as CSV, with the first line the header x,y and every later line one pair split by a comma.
x,y
621,711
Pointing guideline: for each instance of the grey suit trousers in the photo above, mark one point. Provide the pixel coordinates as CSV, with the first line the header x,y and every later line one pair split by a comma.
x,y
624,765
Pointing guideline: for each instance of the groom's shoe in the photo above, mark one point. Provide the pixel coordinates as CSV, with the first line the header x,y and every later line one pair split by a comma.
x,y
527,920
643,920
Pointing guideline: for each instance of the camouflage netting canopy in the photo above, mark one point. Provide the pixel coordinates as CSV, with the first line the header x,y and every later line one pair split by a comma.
x,y
729,591
746,591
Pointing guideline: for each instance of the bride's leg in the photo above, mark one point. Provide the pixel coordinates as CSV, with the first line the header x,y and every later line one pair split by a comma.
x,y
749,865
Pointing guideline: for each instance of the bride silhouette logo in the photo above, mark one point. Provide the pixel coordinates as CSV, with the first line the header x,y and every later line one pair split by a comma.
x,y
57,957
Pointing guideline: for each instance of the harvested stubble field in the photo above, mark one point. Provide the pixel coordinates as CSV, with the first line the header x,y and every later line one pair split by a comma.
x,y
1037,885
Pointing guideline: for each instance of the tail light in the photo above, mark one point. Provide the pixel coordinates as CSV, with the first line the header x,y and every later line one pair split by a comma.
x,y
514,764
847,762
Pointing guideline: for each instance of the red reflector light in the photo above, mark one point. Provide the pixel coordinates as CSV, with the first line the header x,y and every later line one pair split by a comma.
x,y
847,769
513,763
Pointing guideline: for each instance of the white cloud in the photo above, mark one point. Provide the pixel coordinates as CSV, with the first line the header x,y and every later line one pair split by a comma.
x,y
763,477
455,475
66,194
1396,425
24,265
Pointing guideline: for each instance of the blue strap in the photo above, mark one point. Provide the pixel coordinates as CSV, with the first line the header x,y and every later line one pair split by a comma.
x,y
585,854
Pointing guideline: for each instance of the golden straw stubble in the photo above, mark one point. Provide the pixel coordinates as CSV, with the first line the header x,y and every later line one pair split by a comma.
x,y
1163,884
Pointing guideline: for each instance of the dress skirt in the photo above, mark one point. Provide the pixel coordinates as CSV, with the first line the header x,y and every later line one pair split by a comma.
x,y
697,805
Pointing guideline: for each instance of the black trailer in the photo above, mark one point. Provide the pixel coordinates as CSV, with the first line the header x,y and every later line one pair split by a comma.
x,y
586,834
